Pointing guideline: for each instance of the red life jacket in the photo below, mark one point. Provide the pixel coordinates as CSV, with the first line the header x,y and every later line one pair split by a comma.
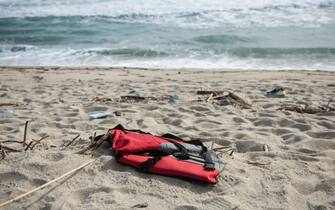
x,y
165,155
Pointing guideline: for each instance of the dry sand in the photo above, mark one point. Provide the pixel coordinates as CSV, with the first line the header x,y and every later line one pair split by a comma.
x,y
298,171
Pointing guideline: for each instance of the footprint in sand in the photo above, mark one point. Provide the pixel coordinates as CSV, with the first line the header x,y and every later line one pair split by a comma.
x,y
217,203
187,207
248,146
264,121
292,138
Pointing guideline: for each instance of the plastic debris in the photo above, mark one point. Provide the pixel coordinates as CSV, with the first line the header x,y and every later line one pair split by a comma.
x,y
6,113
174,98
277,92
98,115
117,113
231,99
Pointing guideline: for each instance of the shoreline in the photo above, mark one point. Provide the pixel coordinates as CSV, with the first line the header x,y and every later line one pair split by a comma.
x,y
158,69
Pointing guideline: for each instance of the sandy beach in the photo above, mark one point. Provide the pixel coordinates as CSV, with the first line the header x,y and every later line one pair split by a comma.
x,y
282,159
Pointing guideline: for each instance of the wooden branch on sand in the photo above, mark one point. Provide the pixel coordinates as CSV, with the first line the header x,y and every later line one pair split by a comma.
x,y
231,99
131,98
3,154
11,141
210,97
209,92
75,138
308,109
38,141
8,104
28,146
44,185
9,149
5,149
25,133
96,144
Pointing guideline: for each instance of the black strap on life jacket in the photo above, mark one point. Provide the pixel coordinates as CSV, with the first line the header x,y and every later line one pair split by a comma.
x,y
146,165
120,127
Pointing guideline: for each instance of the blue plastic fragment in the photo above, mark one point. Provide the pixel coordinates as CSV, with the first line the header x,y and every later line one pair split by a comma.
x,y
6,113
174,98
98,115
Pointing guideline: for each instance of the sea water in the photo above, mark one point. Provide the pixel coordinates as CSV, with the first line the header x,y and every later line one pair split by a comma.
x,y
256,34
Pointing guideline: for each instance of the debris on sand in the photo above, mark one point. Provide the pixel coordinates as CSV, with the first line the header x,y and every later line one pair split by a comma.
x,y
218,98
309,109
134,99
211,92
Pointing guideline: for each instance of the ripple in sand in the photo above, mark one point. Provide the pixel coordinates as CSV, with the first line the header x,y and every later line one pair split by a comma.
x,y
322,134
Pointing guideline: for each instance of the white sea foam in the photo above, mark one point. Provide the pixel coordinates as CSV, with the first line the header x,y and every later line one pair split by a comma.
x,y
186,13
72,57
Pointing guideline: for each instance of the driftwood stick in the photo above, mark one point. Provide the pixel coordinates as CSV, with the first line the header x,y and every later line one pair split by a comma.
x,y
44,185
95,145
37,142
208,92
11,141
8,104
220,148
2,154
27,147
75,138
210,97
86,149
102,140
25,133
9,148
258,163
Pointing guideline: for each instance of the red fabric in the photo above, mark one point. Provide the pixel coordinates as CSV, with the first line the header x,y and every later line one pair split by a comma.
x,y
170,166
128,142
134,142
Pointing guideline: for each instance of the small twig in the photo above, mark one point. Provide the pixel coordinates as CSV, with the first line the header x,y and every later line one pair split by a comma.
x,y
9,148
225,151
258,163
44,185
93,137
2,154
68,144
101,140
27,147
328,104
37,142
25,133
86,149
92,140
8,104
212,145
95,145
223,147
210,97
11,141
140,205
207,92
